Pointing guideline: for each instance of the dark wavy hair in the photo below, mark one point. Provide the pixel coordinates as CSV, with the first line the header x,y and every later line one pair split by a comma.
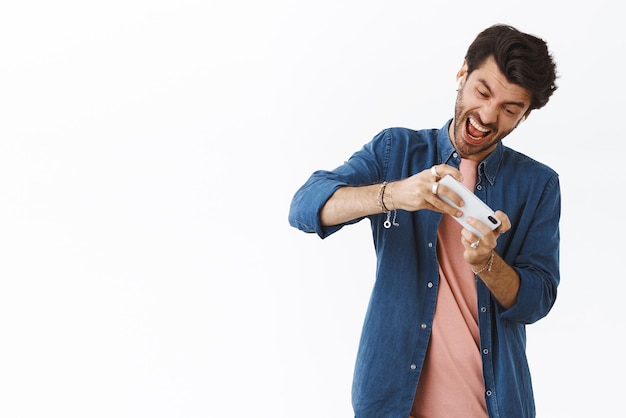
x,y
523,59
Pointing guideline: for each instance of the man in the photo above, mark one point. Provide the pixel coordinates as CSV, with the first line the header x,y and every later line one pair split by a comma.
x,y
444,334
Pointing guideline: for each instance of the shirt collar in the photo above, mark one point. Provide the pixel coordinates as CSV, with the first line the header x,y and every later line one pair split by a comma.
x,y
446,153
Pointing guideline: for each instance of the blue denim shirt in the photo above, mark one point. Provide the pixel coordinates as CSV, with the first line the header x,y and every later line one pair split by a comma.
x,y
398,321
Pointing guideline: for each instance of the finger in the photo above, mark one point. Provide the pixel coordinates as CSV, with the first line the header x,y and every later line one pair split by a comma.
x,y
440,205
505,222
481,227
474,243
437,171
470,238
434,172
446,192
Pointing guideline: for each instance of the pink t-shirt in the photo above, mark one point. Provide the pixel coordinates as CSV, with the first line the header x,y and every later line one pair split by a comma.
x,y
451,383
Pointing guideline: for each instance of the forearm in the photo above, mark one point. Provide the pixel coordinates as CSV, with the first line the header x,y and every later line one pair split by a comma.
x,y
412,194
348,203
501,279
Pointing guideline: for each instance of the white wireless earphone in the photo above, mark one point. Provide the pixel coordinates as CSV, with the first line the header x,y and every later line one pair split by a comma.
x,y
459,82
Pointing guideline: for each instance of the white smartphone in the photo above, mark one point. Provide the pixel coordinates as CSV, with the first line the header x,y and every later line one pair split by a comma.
x,y
473,207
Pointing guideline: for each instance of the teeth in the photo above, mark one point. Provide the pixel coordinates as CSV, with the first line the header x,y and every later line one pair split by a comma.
x,y
477,126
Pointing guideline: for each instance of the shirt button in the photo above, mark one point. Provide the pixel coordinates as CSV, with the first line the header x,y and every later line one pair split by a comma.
x,y
424,326
430,245
479,187
485,351
488,393
483,309
430,284
455,155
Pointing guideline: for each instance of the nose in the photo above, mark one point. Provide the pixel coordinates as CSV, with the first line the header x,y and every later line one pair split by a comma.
x,y
489,113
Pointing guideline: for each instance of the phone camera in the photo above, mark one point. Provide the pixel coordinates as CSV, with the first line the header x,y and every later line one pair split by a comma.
x,y
492,220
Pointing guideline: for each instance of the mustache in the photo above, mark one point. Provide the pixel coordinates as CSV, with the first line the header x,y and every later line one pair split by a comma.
x,y
477,118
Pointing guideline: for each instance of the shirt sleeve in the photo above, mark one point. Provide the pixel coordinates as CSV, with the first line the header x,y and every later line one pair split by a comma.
x,y
538,262
365,167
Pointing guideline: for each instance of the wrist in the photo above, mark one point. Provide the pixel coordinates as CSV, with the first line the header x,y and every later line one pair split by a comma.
x,y
380,198
387,197
384,200
487,266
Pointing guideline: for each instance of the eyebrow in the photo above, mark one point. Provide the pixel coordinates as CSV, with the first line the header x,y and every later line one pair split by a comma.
x,y
518,104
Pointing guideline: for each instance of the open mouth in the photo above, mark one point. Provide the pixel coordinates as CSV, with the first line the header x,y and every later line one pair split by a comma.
x,y
475,131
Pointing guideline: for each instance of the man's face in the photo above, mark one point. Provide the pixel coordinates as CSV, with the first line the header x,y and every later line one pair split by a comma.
x,y
487,109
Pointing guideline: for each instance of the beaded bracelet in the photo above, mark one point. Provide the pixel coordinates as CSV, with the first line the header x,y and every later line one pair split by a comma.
x,y
381,204
486,267
381,198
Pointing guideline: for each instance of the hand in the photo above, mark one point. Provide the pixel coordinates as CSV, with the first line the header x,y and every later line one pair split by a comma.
x,y
478,251
418,191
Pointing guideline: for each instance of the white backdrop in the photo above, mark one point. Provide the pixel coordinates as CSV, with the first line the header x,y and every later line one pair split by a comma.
x,y
149,151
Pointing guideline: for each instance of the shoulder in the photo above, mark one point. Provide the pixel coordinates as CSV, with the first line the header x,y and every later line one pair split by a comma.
x,y
528,170
408,133
528,164
401,137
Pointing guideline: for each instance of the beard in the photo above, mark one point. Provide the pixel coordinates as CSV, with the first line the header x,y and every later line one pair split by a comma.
x,y
464,146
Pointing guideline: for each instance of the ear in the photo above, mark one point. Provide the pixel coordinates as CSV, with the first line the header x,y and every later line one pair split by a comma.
x,y
462,73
